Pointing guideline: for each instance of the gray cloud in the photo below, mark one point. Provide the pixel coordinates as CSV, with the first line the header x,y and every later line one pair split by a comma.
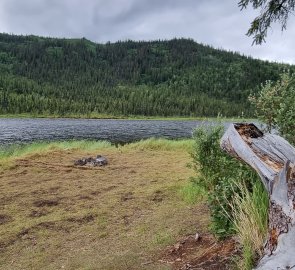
x,y
213,22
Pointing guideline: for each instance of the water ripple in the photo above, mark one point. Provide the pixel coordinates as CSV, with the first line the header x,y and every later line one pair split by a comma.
x,y
116,131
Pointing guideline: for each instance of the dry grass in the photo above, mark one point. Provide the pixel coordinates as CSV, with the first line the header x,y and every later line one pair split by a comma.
x,y
54,215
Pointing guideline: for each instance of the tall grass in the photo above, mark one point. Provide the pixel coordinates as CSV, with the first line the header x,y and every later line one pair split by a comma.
x,y
250,217
161,144
43,147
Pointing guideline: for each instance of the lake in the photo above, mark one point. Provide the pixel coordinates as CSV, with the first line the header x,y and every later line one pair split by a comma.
x,y
25,130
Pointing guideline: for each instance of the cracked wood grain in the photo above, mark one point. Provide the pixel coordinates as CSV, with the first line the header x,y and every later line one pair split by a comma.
x,y
273,158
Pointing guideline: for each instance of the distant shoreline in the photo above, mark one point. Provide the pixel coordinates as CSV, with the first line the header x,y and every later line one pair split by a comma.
x,y
121,117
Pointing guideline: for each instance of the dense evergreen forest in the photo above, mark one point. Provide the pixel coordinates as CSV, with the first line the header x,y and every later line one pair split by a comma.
x,y
179,77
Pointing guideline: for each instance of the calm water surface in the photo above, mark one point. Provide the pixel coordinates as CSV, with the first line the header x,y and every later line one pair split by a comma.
x,y
117,131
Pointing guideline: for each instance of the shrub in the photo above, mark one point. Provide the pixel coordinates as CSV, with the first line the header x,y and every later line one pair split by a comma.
x,y
217,174
275,105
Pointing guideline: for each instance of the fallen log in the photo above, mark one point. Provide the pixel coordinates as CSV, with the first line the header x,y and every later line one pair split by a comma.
x,y
274,160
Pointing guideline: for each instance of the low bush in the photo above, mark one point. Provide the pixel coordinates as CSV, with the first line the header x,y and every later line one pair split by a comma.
x,y
216,174
236,197
275,105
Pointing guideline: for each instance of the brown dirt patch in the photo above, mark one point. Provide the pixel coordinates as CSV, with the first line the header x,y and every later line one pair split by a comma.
x,y
205,253
38,213
127,196
42,203
5,219
158,196
82,220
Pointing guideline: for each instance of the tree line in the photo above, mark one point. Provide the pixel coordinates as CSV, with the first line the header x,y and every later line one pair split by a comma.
x,y
177,77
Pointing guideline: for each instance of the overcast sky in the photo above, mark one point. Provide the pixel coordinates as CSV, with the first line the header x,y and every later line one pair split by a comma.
x,y
219,23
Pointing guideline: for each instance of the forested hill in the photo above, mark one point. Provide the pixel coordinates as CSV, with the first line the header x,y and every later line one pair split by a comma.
x,y
179,77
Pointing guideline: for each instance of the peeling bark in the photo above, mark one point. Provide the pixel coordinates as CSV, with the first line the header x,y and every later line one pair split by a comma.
x,y
274,160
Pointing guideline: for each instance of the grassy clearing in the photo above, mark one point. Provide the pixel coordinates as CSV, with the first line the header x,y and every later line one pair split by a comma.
x,y
54,215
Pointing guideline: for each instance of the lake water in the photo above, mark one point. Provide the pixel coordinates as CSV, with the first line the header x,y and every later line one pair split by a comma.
x,y
117,131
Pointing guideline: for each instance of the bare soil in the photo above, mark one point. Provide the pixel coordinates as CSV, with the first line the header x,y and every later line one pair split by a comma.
x,y
204,253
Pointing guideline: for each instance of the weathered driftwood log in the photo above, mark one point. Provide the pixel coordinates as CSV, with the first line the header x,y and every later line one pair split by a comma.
x,y
274,160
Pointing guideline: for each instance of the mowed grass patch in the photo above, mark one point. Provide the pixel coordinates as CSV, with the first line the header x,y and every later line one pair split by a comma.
x,y
54,215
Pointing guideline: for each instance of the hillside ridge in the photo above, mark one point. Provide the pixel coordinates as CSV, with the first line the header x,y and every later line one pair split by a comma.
x,y
178,77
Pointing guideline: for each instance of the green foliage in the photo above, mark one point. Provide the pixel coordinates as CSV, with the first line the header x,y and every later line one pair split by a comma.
x,y
275,105
267,103
271,11
163,238
179,77
236,196
217,173
192,192
41,147
155,144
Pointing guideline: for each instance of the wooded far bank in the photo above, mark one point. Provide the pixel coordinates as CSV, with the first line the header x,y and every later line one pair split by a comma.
x,y
179,77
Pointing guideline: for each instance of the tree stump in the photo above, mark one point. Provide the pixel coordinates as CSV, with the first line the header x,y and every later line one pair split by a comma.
x,y
274,160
